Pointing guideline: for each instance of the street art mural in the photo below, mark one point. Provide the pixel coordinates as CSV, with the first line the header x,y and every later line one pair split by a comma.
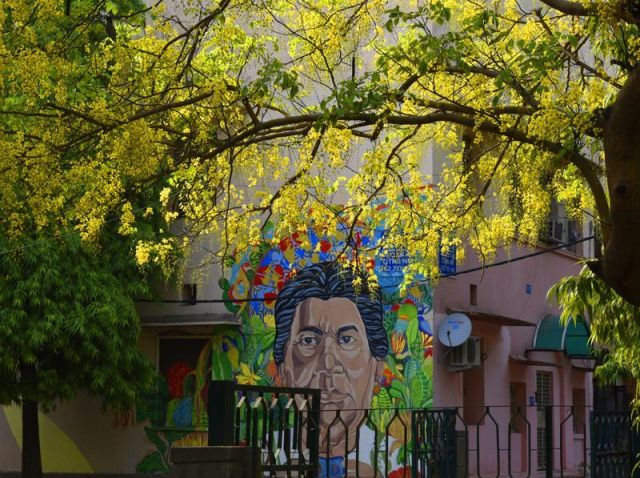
x,y
314,326
311,325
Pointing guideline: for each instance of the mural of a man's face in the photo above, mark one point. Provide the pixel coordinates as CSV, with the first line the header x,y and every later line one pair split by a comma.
x,y
328,349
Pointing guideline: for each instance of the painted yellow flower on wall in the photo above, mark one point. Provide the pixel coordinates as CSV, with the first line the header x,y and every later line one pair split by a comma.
x,y
246,376
270,321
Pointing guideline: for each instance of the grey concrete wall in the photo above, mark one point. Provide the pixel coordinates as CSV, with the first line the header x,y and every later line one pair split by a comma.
x,y
221,462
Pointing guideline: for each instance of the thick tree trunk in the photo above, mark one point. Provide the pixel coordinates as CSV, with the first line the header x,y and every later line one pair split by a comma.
x,y
620,265
31,461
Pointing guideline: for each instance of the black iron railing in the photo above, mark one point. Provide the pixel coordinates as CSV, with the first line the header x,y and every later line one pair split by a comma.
x,y
615,445
281,422
491,441
297,437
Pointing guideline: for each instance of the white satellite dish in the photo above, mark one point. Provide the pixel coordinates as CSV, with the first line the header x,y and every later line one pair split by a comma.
x,y
454,330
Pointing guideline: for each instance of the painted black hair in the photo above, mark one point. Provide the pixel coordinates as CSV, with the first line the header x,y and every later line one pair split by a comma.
x,y
327,280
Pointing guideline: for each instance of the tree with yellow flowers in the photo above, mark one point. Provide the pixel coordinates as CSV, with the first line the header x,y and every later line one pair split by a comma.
x,y
223,116
240,112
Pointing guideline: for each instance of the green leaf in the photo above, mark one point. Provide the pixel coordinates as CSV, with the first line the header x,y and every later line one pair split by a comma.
x,y
154,438
383,399
220,366
152,463
267,338
111,7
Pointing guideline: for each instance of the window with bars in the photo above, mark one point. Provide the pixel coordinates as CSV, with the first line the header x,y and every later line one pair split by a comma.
x,y
543,399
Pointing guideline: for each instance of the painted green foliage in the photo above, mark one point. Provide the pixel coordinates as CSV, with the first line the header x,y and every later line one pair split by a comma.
x,y
246,356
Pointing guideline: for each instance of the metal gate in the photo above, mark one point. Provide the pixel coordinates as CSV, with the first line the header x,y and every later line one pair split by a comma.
x,y
434,443
614,445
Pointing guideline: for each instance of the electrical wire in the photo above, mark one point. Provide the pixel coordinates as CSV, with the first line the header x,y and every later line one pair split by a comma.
x,y
422,281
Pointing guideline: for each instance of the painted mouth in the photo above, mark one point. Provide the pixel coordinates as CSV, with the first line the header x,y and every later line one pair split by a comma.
x,y
334,400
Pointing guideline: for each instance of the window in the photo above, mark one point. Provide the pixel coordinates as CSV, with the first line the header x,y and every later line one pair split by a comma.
x,y
517,402
473,294
543,400
189,294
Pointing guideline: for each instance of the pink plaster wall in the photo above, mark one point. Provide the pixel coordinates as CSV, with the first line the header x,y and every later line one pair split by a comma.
x,y
503,291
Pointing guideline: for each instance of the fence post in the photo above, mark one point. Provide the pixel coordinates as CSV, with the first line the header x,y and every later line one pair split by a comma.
x,y
548,440
221,411
313,432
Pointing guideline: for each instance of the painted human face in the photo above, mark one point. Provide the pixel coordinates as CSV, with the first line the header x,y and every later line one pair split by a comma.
x,y
328,349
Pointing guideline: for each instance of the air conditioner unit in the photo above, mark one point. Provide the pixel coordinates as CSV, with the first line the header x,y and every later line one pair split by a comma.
x,y
466,355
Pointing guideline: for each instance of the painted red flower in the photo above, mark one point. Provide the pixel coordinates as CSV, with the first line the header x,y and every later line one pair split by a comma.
x,y
175,378
284,244
387,377
325,246
269,297
404,472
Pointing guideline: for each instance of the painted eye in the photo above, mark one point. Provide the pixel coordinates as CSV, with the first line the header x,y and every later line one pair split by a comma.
x,y
346,340
308,341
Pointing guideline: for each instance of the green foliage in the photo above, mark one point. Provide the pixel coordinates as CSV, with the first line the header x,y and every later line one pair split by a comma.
x,y
66,314
153,463
614,324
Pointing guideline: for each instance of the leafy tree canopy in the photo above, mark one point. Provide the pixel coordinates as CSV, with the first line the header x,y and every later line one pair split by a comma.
x,y
69,323
237,112
615,332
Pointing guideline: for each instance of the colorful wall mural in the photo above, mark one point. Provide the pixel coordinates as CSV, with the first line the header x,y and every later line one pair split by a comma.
x,y
310,328
311,325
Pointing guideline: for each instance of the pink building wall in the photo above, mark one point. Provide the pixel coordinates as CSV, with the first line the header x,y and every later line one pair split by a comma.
x,y
517,291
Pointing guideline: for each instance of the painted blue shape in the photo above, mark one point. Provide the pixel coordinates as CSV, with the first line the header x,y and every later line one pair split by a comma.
x,y
331,467
424,325
183,413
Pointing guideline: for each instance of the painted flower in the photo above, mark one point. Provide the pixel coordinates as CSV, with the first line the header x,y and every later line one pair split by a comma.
x,y
387,377
269,320
175,378
398,343
404,472
427,341
272,369
246,376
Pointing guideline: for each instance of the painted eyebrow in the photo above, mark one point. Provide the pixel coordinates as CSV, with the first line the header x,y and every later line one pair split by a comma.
x,y
315,330
346,328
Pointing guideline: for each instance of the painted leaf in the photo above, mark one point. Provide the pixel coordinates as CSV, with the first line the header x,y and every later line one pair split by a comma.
x,y
413,335
152,463
417,392
383,398
155,438
220,366
411,368
267,338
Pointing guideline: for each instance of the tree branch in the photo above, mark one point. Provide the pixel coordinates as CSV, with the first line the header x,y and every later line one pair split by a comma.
x,y
571,8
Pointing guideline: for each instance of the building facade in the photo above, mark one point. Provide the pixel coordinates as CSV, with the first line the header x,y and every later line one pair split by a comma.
x,y
362,355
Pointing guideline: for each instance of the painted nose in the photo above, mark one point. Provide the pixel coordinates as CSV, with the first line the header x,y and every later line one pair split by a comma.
x,y
329,360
